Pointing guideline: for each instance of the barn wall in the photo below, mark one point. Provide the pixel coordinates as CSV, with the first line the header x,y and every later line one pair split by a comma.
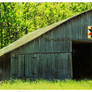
x,y
57,41
49,49
61,36
48,43
76,28
48,66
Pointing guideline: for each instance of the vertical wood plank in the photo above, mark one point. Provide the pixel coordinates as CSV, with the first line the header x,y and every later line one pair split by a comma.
x,y
21,66
13,72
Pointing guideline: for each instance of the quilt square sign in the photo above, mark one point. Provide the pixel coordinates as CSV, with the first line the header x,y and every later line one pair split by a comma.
x,y
90,32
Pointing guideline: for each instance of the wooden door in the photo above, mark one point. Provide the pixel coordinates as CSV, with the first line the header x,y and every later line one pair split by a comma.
x,y
48,66
24,66
31,66
18,66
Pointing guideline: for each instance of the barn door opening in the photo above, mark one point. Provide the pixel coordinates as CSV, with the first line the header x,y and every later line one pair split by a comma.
x,y
82,60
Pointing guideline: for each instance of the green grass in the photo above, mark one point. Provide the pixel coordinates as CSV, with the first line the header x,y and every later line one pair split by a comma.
x,y
46,84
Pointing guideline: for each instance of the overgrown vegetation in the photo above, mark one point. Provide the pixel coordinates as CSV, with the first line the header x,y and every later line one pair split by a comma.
x,y
46,84
17,19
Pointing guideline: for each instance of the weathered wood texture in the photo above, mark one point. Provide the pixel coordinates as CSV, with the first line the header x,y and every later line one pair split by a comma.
x,y
60,38
50,55
48,66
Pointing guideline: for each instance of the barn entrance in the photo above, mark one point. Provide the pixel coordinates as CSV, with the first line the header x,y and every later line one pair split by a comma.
x,y
82,60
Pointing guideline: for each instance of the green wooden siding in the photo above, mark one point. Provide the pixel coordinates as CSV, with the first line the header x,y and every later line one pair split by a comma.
x,y
47,66
51,53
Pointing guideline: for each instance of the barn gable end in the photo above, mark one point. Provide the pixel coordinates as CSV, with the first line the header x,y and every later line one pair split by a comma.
x,y
50,54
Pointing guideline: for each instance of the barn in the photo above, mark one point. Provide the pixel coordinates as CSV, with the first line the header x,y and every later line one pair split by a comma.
x,y
59,51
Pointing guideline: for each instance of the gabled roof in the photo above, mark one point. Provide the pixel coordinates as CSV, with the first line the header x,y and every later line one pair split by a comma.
x,y
33,35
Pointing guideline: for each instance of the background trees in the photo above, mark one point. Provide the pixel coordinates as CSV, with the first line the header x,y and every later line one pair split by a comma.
x,y
17,19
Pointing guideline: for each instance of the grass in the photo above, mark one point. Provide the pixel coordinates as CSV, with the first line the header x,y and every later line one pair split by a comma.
x,y
46,85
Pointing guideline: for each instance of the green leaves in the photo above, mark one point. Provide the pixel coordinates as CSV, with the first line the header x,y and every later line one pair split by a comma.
x,y
17,19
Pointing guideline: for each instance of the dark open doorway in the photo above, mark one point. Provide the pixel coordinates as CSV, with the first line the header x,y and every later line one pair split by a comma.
x,y
82,60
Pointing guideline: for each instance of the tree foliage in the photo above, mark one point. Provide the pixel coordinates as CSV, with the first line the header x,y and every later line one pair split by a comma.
x,y
17,19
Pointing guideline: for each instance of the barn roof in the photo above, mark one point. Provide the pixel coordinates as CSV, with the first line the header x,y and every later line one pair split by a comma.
x,y
33,35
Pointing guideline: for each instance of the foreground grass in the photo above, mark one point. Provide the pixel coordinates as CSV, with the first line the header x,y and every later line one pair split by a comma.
x,y
46,84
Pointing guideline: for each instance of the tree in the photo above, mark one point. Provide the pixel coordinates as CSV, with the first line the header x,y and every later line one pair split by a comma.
x,y
17,19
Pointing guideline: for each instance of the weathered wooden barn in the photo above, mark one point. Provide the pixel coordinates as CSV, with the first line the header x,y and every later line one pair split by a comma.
x,y
59,51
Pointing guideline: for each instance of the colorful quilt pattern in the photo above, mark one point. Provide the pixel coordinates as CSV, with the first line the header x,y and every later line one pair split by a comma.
x,y
90,32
